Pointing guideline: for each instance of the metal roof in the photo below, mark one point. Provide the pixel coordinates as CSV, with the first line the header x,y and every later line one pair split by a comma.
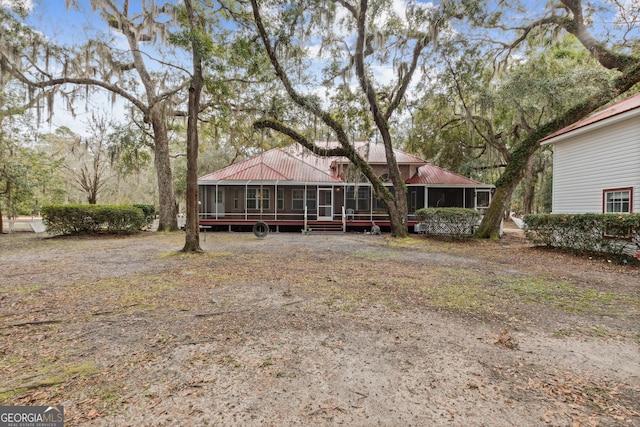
x,y
432,174
277,164
626,105
297,164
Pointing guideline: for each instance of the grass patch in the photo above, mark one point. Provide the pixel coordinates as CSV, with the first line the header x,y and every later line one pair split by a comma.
x,y
46,375
20,289
569,297
459,297
376,255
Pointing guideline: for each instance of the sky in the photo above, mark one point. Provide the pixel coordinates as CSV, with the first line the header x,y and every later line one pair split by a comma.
x,y
69,26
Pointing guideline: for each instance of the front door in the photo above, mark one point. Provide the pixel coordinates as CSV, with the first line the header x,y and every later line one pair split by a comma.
x,y
325,204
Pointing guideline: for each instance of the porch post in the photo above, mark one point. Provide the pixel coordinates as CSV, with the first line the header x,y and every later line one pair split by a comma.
x,y
276,206
371,203
204,202
246,192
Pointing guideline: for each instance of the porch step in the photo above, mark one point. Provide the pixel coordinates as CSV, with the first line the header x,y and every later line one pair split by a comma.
x,y
324,228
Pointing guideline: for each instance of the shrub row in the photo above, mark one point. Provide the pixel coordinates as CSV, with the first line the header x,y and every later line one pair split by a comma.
x,y
456,222
612,234
92,219
149,212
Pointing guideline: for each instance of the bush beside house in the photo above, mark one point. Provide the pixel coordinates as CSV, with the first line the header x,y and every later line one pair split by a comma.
x,y
612,234
455,222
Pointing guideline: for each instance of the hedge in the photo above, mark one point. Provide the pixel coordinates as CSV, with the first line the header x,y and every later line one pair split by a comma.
x,y
92,219
149,212
613,234
455,222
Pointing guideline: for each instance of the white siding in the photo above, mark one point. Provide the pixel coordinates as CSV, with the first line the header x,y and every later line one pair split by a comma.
x,y
585,165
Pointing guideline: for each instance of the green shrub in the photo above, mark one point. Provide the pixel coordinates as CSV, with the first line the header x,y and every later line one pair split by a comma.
x,y
92,219
149,212
455,222
613,234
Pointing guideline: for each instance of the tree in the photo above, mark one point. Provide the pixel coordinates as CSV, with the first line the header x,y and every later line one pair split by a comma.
x,y
44,67
471,119
23,172
380,37
22,169
623,57
89,161
200,47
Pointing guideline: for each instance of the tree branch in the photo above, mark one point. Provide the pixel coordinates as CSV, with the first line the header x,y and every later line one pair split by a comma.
x,y
298,137
67,80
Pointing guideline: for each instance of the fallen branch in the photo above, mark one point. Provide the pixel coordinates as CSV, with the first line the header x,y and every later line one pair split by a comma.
x,y
102,313
33,323
44,383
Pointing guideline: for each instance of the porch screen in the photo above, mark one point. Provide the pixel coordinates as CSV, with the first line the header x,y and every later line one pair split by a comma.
x,y
359,199
255,197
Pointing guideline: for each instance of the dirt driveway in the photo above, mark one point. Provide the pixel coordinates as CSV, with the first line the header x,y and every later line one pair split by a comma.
x,y
317,330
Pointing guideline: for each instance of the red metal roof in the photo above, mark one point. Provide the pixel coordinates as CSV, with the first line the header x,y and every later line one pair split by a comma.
x,y
296,163
432,174
278,164
623,106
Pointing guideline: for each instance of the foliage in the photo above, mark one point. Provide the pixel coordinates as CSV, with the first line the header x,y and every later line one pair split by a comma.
x,y
355,42
456,222
613,234
92,219
149,211
24,176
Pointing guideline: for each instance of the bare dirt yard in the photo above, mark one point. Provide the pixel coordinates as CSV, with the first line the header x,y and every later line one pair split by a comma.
x,y
298,329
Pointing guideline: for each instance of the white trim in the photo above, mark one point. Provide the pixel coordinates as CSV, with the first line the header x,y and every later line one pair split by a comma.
x,y
324,218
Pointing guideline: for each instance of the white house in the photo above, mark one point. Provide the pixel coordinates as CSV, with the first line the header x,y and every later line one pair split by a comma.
x,y
596,162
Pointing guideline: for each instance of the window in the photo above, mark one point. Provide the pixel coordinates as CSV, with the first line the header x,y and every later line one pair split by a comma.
x,y
311,199
358,200
413,200
280,199
255,196
236,198
483,198
297,199
617,200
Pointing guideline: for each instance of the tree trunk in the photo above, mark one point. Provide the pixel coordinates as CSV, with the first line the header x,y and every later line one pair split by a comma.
x,y
192,227
530,178
167,210
398,216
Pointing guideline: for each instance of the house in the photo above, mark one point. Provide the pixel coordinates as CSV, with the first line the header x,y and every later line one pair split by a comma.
x,y
596,162
292,188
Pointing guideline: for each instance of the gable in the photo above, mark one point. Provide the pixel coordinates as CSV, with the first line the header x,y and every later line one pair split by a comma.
x,y
627,108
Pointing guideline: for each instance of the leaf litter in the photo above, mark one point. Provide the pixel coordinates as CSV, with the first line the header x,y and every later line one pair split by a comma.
x,y
291,329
